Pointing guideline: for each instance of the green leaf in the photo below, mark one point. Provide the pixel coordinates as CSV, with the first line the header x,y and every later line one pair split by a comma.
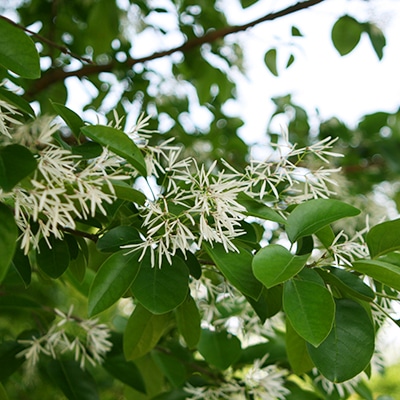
x,y
247,3
72,119
258,209
53,260
87,150
274,264
111,241
309,217
119,143
9,363
112,280
220,349
383,272
349,347
8,239
3,393
296,31
377,38
383,238
348,282
310,309
143,331
75,382
326,236
18,52
236,267
270,61
161,289
125,192
296,349
290,61
268,304
171,367
346,33
17,101
16,163
188,321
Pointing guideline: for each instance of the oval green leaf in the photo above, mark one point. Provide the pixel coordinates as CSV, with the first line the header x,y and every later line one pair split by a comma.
x,y
310,309
54,260
116,237
188,321
16,162
143,331
119,143
17,51
8,239
161,289
236,267
71,118
349,347
309,217
220,349
383,238
274,264
384,272
113,279
346,33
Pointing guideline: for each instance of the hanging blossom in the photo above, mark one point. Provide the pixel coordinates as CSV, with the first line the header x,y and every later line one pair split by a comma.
x,y
7,113
88,341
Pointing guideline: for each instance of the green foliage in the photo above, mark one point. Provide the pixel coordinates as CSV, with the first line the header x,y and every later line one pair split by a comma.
x,y
185,252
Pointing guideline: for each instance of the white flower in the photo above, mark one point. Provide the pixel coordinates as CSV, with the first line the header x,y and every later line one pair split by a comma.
x,y
6,112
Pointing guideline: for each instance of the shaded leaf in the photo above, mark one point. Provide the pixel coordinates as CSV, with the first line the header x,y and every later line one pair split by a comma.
x,y
143,331
346,33
377,39
383,238
17,101
18,52
71,118
8,239
236,267
220,349
119,143
161,289
350,345
16,163
274,264
268,304
53,261
9,363
188,321
309,217
125,192
22,265
111,241
310,309
112,280
171,367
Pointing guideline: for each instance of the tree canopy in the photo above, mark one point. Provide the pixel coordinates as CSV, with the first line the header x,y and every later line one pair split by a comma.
x,y
147,251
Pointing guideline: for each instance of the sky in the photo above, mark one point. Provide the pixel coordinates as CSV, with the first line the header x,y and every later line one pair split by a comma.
x,y
347,87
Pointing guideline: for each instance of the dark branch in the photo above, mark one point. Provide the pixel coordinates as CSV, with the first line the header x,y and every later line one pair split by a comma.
x,y
56,75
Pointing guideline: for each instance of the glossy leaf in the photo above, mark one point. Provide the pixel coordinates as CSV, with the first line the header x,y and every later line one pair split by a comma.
x,y
161,289
19,102
258,209
383,238
388,274
75,382
310,309
349,347
236,267
143,331
87,150
346,34
8,239
296,349
16,163
119,143
71,118
268,304
309,217
275,264
125,192
348,282
53,261
18,52
111,241
220,349
271,62
112,280
188,320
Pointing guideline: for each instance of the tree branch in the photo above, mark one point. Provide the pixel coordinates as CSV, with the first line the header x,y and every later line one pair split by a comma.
x,y
56,75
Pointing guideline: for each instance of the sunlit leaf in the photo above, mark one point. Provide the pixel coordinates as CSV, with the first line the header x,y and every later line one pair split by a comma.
x,y
350,345
71,118
377,38
275,264
346,33
18,52
310,309
309,217
270,61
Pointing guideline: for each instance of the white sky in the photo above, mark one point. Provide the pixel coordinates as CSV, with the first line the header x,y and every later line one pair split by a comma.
x,y
347,87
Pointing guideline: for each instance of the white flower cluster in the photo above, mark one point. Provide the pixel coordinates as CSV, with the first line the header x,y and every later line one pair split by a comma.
x,y
88,342
260,382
